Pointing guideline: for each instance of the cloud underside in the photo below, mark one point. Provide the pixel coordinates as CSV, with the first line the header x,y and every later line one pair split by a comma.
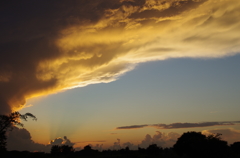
x,y
180,125
47,47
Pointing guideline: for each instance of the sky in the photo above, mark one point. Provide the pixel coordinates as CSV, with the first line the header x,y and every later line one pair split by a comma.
x,y
116,73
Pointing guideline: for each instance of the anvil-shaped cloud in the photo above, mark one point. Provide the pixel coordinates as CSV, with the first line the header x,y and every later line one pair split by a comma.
x,y
50,46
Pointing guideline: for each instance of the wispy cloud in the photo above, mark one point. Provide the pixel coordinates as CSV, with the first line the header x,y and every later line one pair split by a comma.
x,y
47,47
132,127
181,125
92,141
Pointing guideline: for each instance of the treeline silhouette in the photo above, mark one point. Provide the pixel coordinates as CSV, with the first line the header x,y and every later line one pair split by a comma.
x,y
189,145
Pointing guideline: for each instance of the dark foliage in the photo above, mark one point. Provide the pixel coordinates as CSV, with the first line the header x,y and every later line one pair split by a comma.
x,y
55,150
61,150
154,150
87,151
7,121
195,144
3,141
190,143
13,118
235,147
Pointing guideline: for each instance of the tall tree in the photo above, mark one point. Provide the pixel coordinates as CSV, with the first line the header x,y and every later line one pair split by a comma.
x,y
7,121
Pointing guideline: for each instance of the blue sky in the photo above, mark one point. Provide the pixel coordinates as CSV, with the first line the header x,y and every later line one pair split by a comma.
x,y
169,91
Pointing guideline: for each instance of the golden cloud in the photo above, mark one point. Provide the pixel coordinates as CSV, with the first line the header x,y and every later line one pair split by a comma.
x,y
97,41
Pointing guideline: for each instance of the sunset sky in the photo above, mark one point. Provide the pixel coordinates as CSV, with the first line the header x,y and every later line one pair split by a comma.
x,y
116,73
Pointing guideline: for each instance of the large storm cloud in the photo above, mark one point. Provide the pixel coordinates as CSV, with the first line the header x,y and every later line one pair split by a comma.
x,y
50,46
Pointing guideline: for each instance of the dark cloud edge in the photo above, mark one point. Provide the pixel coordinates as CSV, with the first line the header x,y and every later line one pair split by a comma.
x,y
180,125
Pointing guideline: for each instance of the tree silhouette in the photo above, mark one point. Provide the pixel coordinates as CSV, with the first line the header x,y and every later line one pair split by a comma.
x,y
190,143
153,149
55,150
195,144
3,141
63,149
87,148
7,121
88,151
235,147
217,147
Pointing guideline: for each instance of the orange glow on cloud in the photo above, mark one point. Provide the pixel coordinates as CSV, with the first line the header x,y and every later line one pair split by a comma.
x,y
128,33
100,52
